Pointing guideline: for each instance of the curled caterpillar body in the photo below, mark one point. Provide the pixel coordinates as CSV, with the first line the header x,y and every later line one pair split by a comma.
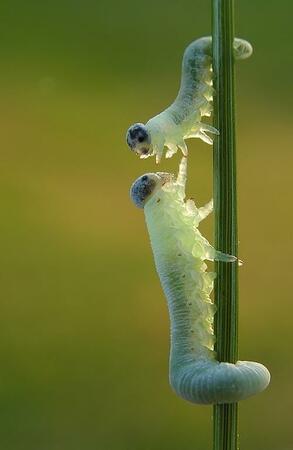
x,y
180,252
182,120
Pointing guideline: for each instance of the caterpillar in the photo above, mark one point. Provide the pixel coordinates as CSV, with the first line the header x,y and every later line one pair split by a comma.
x,y
182,119
180,252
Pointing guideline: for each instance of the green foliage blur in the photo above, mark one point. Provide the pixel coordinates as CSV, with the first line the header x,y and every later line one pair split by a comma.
x,y
84,325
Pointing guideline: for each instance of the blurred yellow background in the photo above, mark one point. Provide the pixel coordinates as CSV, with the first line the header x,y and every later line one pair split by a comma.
x,y
84,325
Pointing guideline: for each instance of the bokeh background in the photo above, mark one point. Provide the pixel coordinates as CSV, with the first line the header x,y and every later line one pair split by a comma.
x,y
84,331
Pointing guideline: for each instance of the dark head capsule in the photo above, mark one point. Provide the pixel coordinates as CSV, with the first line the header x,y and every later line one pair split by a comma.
x,y
138,139
145,186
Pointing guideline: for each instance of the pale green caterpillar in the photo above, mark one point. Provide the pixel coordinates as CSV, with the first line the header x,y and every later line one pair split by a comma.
x,y
182,120
179,251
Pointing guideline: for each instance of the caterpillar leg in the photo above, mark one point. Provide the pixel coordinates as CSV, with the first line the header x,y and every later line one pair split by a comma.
x,y
216,255
172,149
208,94
205,210
203,136
206,110
158,151
224,257
183,147
182,172
200,132
209,128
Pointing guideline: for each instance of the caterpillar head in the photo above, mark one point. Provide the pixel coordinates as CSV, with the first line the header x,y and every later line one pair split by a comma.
x,y
145,186
139,140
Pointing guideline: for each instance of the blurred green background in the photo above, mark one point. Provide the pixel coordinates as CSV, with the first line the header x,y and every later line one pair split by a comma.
x,y
84,326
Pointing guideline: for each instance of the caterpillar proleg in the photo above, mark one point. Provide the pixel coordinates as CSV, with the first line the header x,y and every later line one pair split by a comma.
x,y
182,119
180,252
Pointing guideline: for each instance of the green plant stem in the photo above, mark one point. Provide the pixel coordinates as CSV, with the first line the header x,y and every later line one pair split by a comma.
x,y
226,240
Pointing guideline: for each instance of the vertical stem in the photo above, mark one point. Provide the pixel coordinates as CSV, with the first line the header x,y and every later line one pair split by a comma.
x,y
226,240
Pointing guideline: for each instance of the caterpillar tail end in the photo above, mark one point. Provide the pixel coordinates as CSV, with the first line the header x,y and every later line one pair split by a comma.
x,y
208,383
242,49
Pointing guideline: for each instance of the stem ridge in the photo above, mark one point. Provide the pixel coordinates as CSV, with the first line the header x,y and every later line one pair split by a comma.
x,y
225,198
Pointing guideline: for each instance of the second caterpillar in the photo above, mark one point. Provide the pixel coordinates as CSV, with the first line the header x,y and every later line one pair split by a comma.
x,y
182,119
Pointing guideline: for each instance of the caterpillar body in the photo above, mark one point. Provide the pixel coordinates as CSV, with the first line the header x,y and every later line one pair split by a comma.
x,y
180,252
182,119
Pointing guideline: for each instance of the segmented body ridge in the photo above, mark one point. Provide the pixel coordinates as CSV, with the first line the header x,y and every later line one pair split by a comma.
x,y
179,251
195,95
